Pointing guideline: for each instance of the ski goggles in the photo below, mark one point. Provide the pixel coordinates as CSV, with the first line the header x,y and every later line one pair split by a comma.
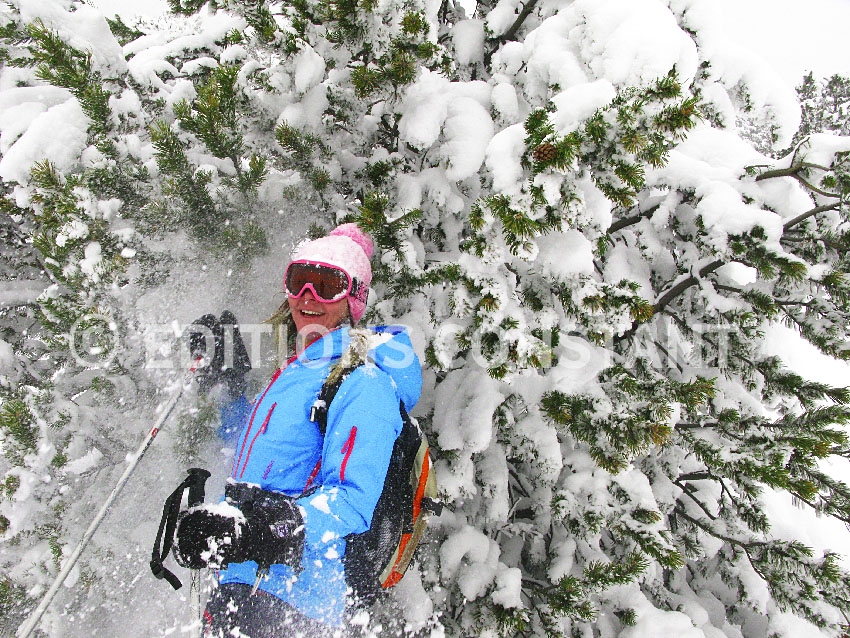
x,y
327,283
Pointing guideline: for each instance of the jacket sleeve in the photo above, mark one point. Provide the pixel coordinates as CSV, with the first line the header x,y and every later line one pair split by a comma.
x,y
363,423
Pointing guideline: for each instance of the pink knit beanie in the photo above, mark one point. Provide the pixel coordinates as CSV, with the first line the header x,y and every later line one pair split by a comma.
x,y
346,247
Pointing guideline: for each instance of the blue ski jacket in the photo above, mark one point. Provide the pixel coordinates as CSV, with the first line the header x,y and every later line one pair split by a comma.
x,y
337,479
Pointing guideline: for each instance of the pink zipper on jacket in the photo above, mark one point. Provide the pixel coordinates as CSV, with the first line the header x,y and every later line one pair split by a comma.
x,y
313,475
259,432
347,449
251,422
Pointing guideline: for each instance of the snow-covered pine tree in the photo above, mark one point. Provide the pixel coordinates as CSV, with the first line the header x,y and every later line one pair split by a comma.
x,y
67,249
824,105
573,222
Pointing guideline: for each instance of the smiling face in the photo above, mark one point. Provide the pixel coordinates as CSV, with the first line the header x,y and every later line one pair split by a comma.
x,y
313,318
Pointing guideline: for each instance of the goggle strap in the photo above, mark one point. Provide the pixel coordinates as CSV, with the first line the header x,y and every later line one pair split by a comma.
x,y
358,290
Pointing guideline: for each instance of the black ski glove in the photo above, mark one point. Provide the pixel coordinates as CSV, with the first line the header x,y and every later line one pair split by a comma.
x,y
224,367
208,537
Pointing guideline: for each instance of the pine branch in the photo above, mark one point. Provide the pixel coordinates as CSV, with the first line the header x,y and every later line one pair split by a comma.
x,y
511,32
620,224
703,475
804,216
686,329
794,171
729,288
678,511
791,171
707,475
814,506
684,427
687,490
671,294
821,341
682,286
514,28
669,356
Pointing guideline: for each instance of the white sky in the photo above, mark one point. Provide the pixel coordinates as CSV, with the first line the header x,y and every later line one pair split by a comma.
x,y
794,36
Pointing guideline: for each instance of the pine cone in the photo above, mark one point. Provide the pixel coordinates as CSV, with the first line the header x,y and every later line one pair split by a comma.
x,y
544,152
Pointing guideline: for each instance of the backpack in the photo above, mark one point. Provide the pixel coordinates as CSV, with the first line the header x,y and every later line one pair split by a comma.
x,y
378,558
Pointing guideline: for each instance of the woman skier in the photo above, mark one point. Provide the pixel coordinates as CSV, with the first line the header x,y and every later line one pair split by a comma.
x,y
293,494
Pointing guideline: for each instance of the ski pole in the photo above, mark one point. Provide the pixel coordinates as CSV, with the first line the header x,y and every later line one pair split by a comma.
x,y
29,624
197,625
196,497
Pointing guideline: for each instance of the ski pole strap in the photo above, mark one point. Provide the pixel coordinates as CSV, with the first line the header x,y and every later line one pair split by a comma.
x,y
194,482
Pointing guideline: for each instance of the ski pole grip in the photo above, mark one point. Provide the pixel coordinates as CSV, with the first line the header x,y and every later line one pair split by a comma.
x,y
197,478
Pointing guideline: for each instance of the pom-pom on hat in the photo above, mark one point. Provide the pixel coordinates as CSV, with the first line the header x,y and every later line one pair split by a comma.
x,y
346,247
